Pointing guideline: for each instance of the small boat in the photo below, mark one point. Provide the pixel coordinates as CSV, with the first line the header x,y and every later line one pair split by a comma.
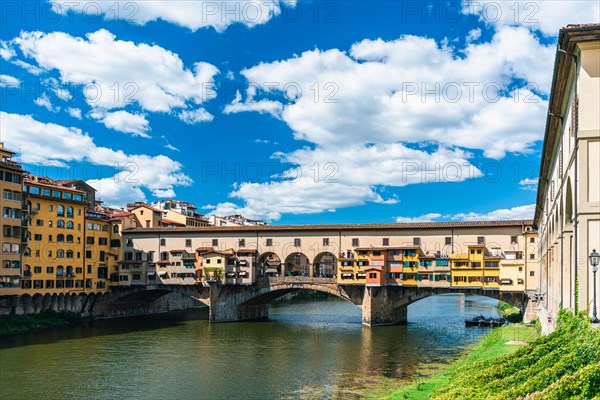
x,y
483,321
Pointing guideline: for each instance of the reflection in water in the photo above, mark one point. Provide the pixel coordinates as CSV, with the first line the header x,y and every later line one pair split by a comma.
x,y
308,349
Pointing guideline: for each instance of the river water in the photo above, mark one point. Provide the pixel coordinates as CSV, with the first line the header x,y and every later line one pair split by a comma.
x,y
314,349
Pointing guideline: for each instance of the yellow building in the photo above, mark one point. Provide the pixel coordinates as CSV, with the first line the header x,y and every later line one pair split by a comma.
x,y
99,259
479,267
55,256
14,233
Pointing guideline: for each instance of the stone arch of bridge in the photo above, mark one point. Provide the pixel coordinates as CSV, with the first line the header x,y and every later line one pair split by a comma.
x,y
267,294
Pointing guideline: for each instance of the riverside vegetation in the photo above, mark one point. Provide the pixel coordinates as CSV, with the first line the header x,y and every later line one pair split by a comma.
x,y
561,366
10,324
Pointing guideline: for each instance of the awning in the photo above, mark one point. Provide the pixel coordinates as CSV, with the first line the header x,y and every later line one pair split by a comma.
x,y
346,275
231,274
361,276
243,274
162,273
506,281
271,271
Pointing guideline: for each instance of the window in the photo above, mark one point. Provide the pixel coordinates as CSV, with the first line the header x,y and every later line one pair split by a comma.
x,y
386,241
37,270
60,223
37,236
129,242
325,241
116,229
416,241
531,240
531,273
89,269
269,242
241,243
297,242
215,242
89,240
513,240
219,261
78,270
88,254
163,242
448,240
355,242
60,210
188,242
102,241
70,225
519,255
70,212
372,275
520,269
39,222
49,270
60,238
480,239
532,256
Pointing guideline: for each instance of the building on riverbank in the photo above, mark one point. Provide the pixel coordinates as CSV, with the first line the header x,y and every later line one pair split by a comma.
x,y
568,199
498,254
14,232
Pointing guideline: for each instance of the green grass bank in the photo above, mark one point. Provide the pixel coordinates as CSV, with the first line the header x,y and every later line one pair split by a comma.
x,y
11,324
563,365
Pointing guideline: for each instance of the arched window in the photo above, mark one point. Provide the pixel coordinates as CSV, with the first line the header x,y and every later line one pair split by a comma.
x,y
116,229
69,253
60,223
70,212
60,271
70,225
60,253
27,252
69,238
60,237
69,271
60,210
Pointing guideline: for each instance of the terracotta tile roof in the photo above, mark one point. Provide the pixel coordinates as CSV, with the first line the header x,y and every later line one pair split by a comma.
x,y
48,185
205,248
168,221
346,227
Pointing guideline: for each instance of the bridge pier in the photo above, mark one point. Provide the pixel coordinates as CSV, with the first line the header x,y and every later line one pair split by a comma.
x,y
380,306
229,303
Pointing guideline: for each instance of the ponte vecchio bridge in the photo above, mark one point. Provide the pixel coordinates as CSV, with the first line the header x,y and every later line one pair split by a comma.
x,y
382,268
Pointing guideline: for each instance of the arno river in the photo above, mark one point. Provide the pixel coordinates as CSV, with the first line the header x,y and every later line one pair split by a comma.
x,y
314,349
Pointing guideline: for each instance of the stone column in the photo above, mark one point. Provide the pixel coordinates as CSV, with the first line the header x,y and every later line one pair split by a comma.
x,y
378,306
227,304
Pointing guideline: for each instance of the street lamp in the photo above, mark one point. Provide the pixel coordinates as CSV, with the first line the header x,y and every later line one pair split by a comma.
x,y
594,259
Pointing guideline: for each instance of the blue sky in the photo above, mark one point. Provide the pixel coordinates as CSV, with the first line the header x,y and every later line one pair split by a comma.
x,y
293,112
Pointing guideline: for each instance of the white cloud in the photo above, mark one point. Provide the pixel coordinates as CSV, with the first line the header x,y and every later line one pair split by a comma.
x,y
519,212
359,124
422,218
171,147
44,101
9,81
529,184
114,73
515,213
48,142
193,117
74,112
126,122
262,106
189,14
473,35
32,69
546,16
6,51
325,179
355,105
54,86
